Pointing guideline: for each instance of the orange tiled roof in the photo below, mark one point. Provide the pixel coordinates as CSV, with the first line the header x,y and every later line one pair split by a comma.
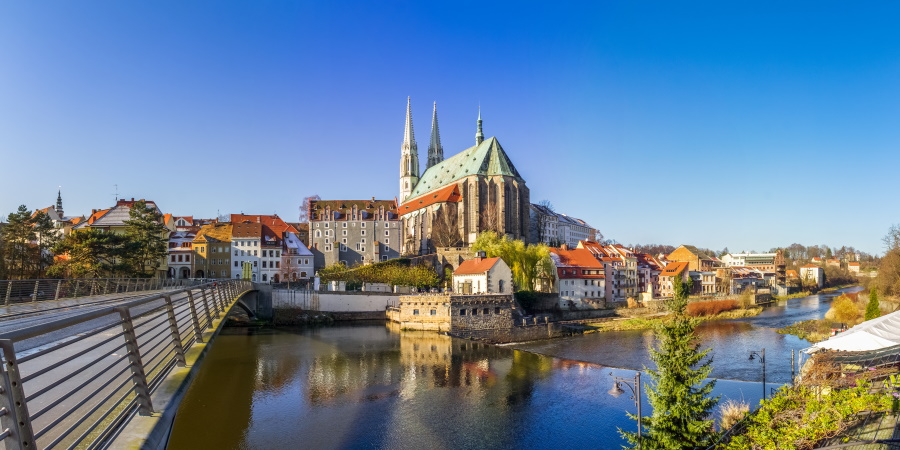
x,y
791,274
854,264
97,214
810,266
448,193
77,220
475,266
674,269
579,257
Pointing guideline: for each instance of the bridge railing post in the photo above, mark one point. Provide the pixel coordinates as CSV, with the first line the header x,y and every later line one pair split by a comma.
x,y
212,298
34,294
58,286
15,420
138,377
198,333
206,307
77,284
176,335
106,286
8,292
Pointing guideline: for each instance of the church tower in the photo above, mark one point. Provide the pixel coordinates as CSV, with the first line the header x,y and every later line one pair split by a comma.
x,y
435,150
409,158
479,135
59,208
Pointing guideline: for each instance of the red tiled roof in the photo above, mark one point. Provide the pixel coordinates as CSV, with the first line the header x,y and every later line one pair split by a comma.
x,y
96,215
578,257
445,194
854,264
475,266
77,220
791,274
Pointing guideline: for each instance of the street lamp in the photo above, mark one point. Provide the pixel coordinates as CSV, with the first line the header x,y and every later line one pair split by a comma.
x,y
635,386
762,357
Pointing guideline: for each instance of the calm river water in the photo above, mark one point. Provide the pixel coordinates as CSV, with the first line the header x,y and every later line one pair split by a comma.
x,y
372,386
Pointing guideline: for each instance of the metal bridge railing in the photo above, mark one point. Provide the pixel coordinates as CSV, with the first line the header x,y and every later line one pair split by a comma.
x,y
74,382
25,291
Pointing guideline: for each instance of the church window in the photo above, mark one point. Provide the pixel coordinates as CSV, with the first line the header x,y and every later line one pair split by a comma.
x,y
387,233
362,232
345,232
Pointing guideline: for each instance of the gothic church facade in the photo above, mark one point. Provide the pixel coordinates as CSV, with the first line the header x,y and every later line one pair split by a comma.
x,y
455,199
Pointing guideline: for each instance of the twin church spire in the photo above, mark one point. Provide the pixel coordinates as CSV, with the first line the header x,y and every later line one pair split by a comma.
x,y
409,153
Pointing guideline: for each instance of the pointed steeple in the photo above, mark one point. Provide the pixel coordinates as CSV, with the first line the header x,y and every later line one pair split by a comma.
x,y
59,208
479,135
435,150
409,157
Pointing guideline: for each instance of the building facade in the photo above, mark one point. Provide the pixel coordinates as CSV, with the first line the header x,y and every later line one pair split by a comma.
x,y
455,199
353,231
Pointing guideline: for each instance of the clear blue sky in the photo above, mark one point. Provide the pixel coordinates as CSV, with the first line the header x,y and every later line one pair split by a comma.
x,y
742,124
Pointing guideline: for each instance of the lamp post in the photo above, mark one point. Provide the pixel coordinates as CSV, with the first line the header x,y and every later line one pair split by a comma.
x,y
761,354
635,386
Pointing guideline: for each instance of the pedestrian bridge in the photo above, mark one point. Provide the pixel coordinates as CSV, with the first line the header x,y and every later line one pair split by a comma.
x,y
103,369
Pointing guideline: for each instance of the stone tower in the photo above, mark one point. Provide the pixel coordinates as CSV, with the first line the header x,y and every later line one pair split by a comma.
x,y
435,150
409,157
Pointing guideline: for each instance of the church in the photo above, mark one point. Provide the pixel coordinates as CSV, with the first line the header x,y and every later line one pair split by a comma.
x,y
455,199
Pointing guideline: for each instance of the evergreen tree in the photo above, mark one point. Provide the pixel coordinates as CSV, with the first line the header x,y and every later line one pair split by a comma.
x,y
46,236
872,309
147,237
18,237
91,253
680,399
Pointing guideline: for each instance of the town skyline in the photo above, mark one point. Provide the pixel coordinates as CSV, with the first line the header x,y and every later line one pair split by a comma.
x,y
612,115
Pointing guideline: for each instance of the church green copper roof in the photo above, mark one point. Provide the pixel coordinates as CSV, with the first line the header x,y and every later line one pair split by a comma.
x,y
486,158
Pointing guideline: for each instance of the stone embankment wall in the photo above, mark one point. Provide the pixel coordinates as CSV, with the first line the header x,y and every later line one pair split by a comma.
x,y
517,333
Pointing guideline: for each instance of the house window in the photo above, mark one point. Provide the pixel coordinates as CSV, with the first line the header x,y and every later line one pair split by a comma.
x,y
362,232
235,264
344,232
264,266
277,264
497,310
387,233
345,226
486,311
187,258
415,312
343,248
474,311
387,241
384,257
363,225
433,312
305,260
462,312
303,274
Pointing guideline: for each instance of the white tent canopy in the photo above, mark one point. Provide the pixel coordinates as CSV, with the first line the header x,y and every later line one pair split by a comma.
x,y
870,335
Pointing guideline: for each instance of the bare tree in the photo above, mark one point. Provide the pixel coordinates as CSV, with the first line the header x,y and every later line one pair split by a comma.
x,y
444,227
490,218
304,207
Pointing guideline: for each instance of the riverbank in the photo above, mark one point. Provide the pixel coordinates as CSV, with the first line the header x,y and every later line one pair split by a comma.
x,y
815,330
652,320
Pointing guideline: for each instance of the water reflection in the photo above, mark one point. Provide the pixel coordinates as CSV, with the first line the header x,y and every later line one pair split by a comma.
x,y
730,342
376,387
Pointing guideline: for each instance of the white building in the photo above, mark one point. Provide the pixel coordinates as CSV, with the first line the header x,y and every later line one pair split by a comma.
x,y
483,276
812,273
763,261
297,260
245,238
555,229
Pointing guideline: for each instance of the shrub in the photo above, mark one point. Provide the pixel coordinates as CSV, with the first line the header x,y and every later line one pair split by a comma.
x,y
731,412
801,417
843,309
710,308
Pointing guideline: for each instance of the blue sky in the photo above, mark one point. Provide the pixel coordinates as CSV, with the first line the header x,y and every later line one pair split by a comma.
x,y
747,125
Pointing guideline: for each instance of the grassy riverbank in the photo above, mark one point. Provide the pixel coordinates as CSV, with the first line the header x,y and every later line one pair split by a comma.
x,y
652,320
790,296
815,330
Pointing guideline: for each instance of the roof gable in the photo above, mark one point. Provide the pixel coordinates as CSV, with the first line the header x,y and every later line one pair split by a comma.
x,y
476,266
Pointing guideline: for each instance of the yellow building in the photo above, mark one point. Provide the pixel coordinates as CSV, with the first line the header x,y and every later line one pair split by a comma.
x,y
212,251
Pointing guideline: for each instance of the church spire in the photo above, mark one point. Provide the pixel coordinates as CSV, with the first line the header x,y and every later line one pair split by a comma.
x,y
409,157
479,135
59,208
435,150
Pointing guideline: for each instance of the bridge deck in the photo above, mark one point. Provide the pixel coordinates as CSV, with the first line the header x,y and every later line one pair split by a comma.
x,y
78,370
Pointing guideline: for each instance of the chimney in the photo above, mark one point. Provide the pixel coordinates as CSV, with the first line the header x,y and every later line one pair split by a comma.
x,y
564,247
480,255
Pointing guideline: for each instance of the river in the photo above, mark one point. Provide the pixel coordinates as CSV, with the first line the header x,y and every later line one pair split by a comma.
x,y
372,386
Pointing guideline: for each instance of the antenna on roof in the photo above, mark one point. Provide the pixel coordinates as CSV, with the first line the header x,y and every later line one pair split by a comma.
x,y
117,192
